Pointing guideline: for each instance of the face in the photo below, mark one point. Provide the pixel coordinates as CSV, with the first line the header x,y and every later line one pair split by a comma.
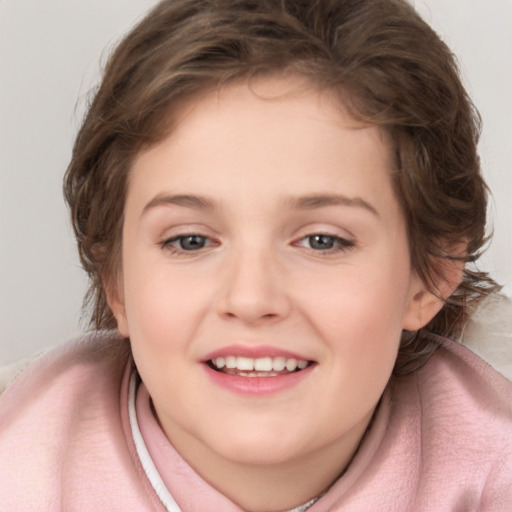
x,y
265,276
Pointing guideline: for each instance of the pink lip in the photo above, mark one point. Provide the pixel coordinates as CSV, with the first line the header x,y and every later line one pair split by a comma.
x,y
257,385
254,352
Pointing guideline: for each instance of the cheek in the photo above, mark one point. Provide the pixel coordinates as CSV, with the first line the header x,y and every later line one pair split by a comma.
x,y
364,298
161,323
163,303
359,312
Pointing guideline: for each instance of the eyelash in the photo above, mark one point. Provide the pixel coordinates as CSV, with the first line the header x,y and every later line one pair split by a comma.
x,y
339,244
168,244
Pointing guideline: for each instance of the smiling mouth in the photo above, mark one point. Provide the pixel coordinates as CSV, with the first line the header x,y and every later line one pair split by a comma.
x,y
258,367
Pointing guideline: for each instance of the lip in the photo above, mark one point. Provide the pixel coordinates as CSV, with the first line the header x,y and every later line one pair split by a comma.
x,y
253,352
256,386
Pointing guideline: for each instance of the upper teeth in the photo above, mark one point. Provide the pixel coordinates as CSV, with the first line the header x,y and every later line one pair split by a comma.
x,y
261,364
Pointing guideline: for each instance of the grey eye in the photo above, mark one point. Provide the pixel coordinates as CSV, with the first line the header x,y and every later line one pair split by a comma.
x,y
321,242
191,242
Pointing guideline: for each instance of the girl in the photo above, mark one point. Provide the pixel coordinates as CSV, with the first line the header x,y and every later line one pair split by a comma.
x,y
278,204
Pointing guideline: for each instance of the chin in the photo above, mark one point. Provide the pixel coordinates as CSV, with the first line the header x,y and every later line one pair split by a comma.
x,y
258,449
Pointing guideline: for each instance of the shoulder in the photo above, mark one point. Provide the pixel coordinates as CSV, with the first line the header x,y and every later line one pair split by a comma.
x,y
62,429
457,381
87,355
10,371
69,378
463,416
462,397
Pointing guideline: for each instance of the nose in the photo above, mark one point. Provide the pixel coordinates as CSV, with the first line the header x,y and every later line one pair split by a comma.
x,y
254,290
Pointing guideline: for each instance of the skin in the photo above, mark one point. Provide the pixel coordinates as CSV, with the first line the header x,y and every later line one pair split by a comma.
x,y
256,157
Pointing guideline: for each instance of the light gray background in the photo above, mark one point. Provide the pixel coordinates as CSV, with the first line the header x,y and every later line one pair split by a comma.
x,y
50,51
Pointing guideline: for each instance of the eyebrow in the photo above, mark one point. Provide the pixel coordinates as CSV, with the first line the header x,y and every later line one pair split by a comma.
x,y
308,202
314,201
186,200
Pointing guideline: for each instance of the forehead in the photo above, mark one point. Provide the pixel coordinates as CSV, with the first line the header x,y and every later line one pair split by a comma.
x,y
272,134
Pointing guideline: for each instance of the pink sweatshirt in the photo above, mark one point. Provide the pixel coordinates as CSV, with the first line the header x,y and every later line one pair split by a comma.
x,y
77,434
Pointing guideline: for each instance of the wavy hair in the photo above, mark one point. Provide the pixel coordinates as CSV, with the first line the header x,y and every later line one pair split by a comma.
x,y
388,68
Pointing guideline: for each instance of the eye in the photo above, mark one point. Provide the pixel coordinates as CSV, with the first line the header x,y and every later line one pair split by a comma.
x,y
325,243
187,243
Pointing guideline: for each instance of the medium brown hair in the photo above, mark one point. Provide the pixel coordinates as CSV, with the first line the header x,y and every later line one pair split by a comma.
x,y
389,69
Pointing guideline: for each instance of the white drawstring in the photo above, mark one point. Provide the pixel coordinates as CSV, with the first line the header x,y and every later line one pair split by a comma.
x,y
145,458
